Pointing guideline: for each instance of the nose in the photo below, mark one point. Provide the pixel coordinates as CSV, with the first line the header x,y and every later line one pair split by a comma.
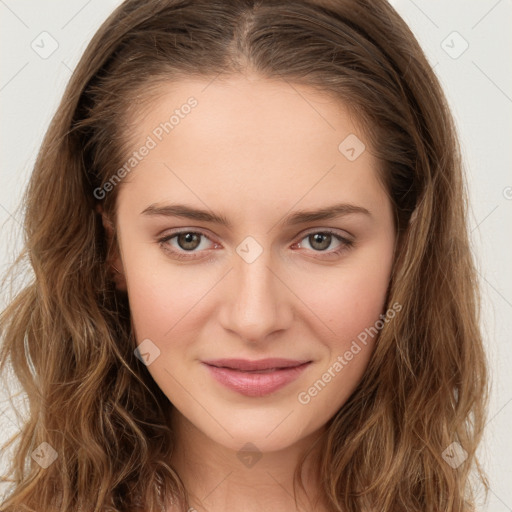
x,y
256,300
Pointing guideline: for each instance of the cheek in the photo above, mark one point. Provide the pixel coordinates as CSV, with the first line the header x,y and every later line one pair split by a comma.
x,y
351,309
162,302
162,295
346,301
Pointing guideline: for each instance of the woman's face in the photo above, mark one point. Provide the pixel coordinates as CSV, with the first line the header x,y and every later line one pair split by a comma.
x,y
220,260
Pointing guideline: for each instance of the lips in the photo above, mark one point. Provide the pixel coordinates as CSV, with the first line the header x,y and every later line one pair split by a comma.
x,y
255,378
262,365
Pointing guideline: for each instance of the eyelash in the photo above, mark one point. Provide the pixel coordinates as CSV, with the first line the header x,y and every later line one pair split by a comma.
x,y
183,255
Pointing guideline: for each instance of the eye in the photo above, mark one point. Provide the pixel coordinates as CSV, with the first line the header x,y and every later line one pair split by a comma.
x,y
320,241
185,244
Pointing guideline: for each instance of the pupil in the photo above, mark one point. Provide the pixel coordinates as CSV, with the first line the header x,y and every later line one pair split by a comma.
x,y
318,239
188,238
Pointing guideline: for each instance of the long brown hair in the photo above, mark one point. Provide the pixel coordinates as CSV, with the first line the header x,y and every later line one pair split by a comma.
x,y
67,332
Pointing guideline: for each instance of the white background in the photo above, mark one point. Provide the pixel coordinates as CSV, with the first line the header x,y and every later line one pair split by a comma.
x,y
478,83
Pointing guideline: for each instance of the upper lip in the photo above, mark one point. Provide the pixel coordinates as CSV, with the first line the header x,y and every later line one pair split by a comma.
x,y
261,364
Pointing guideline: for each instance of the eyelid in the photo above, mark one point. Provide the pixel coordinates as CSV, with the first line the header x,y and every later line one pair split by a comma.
x,y
333,231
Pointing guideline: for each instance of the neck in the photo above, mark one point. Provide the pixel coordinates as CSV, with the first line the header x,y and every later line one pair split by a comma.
x,y
218,478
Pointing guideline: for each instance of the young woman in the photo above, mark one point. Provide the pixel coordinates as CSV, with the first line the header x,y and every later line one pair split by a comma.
x,y
252,287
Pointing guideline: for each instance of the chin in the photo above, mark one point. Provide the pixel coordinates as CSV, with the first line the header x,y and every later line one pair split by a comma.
x,y
269,431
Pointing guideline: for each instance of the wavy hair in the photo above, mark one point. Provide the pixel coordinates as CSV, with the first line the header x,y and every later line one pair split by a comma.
x,y
67,333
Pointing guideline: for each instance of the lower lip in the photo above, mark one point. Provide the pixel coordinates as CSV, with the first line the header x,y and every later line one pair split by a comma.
x,y
256,384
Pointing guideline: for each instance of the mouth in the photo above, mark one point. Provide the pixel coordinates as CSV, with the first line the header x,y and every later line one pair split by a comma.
x,y
256,378
261,365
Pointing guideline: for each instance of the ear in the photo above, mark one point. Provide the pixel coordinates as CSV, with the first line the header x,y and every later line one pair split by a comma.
x,y
114,261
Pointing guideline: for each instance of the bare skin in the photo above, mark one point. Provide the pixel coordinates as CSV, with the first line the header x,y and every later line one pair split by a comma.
x,y
254,151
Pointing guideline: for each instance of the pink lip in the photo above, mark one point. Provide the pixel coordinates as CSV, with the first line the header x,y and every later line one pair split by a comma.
x,y
255,378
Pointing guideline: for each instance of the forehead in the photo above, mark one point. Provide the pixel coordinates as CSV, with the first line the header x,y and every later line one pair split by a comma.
x,y
252,139
239,106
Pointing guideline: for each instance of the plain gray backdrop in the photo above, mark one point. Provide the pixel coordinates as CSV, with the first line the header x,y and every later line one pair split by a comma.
x,y
467,42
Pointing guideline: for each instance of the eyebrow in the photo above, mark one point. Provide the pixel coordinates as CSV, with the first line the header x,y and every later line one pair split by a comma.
x,y
298,217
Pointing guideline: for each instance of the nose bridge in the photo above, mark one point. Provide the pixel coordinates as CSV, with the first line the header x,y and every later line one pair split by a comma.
x,y
257,304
